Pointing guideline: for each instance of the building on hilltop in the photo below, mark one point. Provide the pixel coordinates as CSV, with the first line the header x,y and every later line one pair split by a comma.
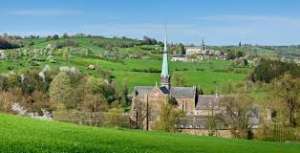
x,y
147,101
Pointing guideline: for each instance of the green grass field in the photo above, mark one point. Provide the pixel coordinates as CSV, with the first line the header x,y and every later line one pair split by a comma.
x,y
24,135
206,74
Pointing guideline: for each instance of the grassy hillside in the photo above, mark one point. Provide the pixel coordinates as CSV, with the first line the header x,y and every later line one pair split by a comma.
x,y
143,70
24,135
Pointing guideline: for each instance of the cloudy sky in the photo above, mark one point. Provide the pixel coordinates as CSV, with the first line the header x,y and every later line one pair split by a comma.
x,y
219,22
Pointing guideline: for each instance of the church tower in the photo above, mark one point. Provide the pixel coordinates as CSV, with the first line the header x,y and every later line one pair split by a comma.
x,y
165,76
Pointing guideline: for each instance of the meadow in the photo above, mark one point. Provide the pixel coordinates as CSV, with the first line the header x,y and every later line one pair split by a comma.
x,y
25,135
130,72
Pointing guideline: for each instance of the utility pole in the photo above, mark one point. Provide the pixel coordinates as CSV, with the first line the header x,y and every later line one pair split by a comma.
x,y
147,113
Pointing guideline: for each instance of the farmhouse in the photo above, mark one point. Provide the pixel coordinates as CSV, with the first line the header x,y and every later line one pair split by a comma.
x,y
194,51
179,58
148,100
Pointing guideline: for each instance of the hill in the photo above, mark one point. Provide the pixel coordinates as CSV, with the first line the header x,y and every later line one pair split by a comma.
x,y
26,135
130,62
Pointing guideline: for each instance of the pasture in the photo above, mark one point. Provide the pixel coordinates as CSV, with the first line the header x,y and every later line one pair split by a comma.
x,y
25,135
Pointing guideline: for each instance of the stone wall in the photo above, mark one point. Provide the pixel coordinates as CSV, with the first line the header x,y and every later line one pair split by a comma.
x,y
205,132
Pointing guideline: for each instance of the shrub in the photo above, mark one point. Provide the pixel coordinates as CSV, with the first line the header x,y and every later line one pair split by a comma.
x,y
3,83
267,70
115,118
149,70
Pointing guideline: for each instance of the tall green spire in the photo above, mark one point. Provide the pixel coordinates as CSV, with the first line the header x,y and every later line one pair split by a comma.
x,y
165,77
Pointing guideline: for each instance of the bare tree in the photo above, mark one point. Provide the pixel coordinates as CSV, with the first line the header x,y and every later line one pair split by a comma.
x,y
238,108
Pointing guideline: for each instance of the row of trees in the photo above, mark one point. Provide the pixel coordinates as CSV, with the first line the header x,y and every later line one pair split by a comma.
x,y
5,44
61,91
267,70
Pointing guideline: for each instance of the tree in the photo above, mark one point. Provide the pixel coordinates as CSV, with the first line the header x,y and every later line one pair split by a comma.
x,y
55,37
125,100
267,70
182,49
3,83
234,54
38,101
66,54
65,35
93,103
239,108
61,91
286,99
114,118
92,93
149,41
169,116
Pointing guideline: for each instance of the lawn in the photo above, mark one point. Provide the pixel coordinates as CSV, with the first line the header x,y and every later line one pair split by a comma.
x,y
24,135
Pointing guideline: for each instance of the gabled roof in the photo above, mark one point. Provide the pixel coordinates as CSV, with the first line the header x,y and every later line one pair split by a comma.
x,y
208,101
142,90
183,92
177,92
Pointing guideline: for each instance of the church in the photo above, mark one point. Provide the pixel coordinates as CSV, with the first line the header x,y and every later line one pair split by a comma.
x,y
147,100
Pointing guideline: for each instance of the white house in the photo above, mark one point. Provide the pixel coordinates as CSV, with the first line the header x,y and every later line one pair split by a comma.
x,y
193,50
179,58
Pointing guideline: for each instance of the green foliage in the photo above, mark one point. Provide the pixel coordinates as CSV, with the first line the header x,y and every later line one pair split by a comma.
x,y
238,107
61,93
169,116
114,118
9,43
92,95
285,100
267,70
234,54
137,65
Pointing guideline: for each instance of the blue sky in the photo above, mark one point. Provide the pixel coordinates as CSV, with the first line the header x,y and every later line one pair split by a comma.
x,y
219,22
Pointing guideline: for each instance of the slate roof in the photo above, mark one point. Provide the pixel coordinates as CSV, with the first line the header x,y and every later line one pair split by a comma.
x,y
208,101
183,92
177,92
142,90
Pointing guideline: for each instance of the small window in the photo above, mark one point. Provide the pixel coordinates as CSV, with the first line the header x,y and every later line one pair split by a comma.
x,y
273,114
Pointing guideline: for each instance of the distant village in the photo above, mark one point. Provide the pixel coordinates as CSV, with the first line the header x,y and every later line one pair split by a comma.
x,y
192,53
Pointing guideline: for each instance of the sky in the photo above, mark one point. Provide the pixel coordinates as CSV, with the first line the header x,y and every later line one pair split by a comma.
x,y
218,22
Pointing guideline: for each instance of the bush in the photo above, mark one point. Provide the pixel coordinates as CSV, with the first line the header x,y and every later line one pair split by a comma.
x,y
267,70
149,70
275,132
5,44
116,118
8,98
79,117
3,83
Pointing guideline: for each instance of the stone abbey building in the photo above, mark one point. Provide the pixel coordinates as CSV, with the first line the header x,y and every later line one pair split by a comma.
x,y
147,101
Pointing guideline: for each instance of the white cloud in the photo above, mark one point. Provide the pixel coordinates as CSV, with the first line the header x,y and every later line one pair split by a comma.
x,y
45,12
